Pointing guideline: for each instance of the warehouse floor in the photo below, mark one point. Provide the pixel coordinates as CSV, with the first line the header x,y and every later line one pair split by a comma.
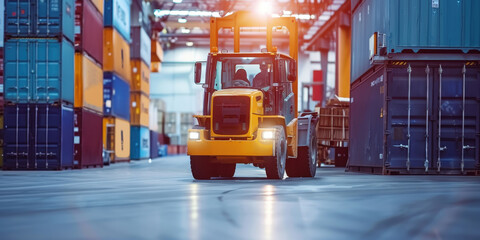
x,y
160,200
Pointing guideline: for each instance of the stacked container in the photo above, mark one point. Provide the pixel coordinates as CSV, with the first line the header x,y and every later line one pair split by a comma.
x,y
186,122
170,129
154,144
140,88
416,87
88,83
116,79
38,84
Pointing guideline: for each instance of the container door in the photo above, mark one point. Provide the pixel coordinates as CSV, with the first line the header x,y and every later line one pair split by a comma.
x,y
456,132
408,116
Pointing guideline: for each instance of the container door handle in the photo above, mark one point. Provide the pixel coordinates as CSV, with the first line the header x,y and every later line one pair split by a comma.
x,y
464,71
401,146
409,70
427,70
440,148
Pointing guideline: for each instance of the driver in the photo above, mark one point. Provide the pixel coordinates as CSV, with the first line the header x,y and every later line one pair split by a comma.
x,y
240,79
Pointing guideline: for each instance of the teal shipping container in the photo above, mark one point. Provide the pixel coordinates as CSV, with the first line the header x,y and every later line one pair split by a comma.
x,y
45,18
38,71
413,26
117,14
139,143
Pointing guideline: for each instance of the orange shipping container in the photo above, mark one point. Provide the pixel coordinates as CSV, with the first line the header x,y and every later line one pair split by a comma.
x,y
99,5
116,54
116,138
140,77
139,104
88,83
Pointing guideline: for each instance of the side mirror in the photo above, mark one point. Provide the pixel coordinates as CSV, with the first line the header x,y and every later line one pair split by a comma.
x,y
292,71
198,72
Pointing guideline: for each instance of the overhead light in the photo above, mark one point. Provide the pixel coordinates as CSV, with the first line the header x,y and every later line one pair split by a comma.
x,y
177,1
189,44
265,7
185,30
286,13
182,20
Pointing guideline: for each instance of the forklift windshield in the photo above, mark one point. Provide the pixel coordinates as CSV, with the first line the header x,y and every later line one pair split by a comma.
x,y
242,72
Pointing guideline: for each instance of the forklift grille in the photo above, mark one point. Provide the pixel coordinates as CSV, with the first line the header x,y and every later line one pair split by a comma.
x,y
231,115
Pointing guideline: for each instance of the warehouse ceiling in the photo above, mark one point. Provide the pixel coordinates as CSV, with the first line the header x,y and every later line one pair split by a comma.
x,y
186,22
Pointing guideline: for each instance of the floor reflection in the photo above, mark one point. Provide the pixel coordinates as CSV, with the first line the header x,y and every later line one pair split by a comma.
x,y
269,200
194,234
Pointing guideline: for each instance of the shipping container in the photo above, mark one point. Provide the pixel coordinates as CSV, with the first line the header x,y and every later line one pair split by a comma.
x,y
1,78
139,15
163,150
186,118
412,26
45,19
38,137
116,54
39,71
139,105
171,117
2,22
88,145
1,138
89,30
170,127
157,51
140,143
141,45
117,14
116,138
116,96
140,77
98,5
154,145
411,117
88,83
183,139
153,117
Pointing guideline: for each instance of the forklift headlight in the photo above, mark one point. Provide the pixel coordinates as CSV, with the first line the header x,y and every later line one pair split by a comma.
x,y
193,135
268,135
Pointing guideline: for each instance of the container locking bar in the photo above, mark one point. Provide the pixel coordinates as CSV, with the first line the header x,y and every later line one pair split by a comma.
x,y
427,70
409,70
440,148
464,71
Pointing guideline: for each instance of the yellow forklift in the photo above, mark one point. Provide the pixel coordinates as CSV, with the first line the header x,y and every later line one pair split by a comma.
x,y
250,107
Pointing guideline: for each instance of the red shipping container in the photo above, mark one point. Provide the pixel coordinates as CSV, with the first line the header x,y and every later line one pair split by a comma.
x,y
88,144
89,30
317,89
172,149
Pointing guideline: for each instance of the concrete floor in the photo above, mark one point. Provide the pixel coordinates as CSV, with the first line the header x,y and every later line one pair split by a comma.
x,y
160,200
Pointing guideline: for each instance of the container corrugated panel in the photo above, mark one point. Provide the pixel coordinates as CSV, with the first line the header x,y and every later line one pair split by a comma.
x,y
141,45
117,14
116,54
116,96
38,137
139,106
33,18
116,138
434,136
139,143
87,138
154,144
412,25
153,117
89,30
139,15
39,71
99,5
88,83
140,77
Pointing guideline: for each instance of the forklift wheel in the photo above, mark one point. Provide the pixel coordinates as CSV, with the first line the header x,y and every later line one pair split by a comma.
x,y
275,166
201,167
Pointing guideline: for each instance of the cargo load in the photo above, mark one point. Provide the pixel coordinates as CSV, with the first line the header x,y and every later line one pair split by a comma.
x,y
38,137
117,14
116,96
417,117
116,139
98,5
139,109
116,54
88,145
28,79
40,19
89,30
141,45
88,83
140,143
140,77
139,15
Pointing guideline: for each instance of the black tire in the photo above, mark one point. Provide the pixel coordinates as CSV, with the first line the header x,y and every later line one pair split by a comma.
x,y
292,168
275,166
202,168
306,161
226,170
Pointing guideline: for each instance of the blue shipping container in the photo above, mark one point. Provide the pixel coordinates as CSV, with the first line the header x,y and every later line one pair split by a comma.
x,y
139,143
154,145
38,137
39,71
117,14
414,26
33,18
116,96
425,121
